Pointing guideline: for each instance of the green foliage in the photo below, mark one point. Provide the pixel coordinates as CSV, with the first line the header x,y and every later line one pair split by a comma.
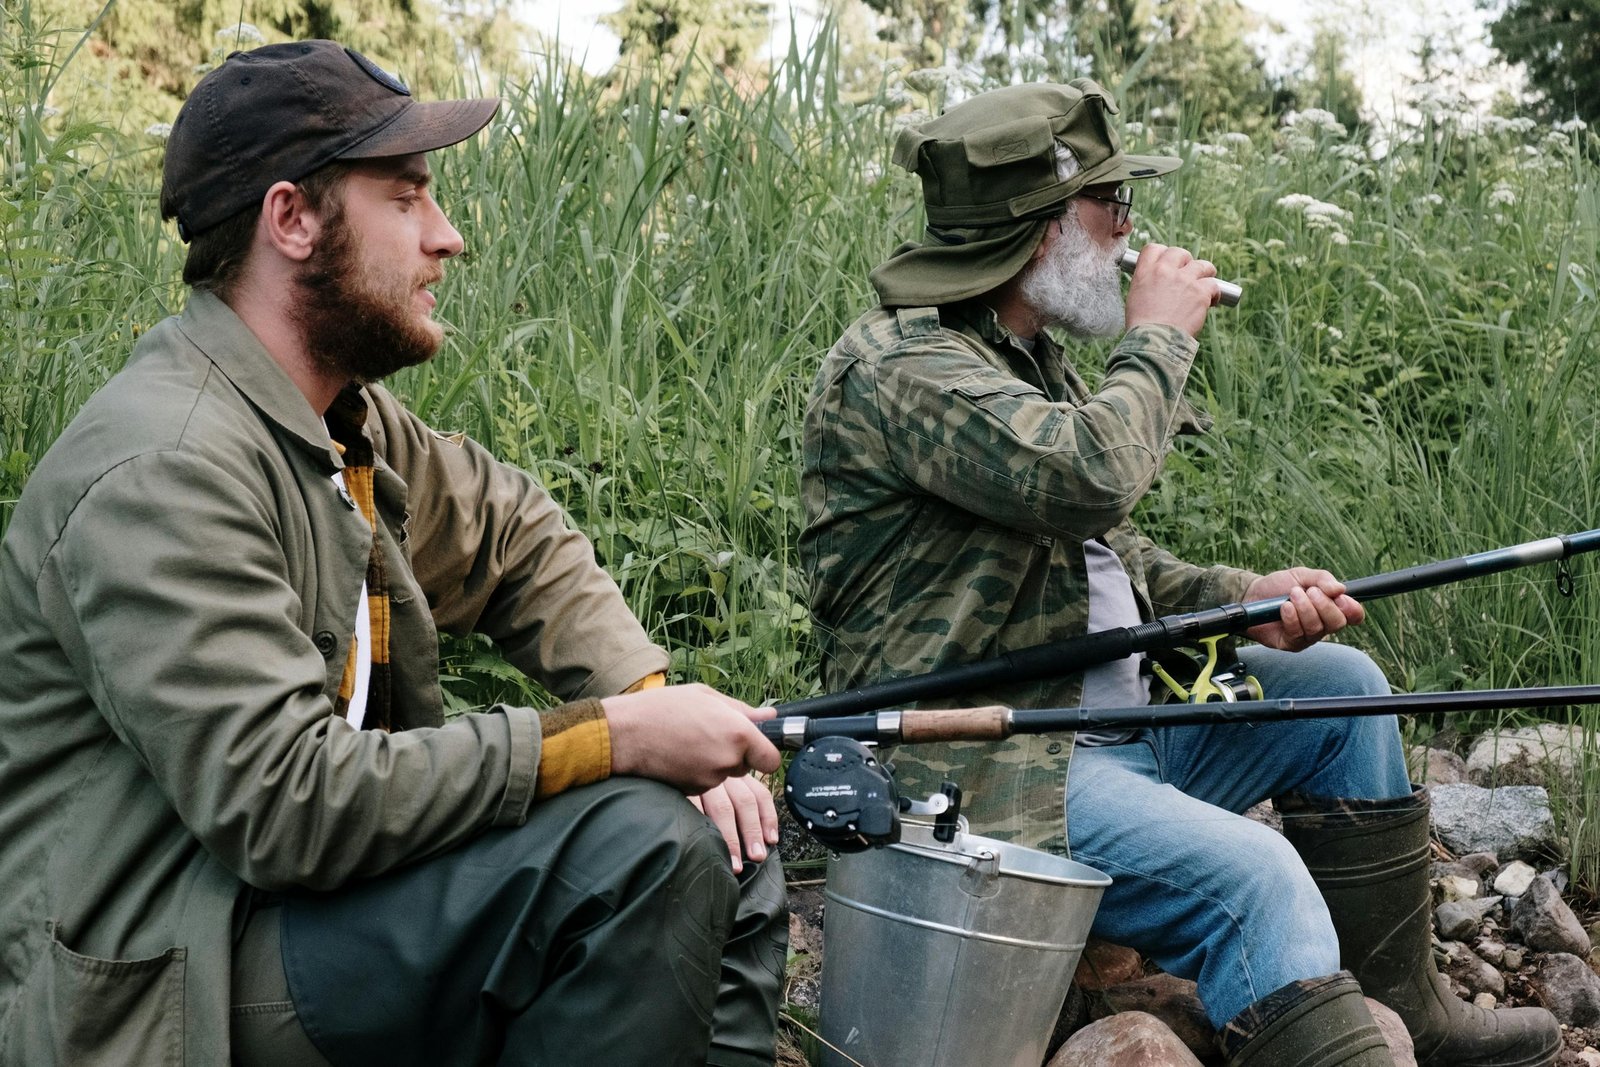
x,y
652,280
1558,41
145,55
724,38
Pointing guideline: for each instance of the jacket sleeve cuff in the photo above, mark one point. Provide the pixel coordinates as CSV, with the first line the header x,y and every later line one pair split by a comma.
x,y
523,726
575,747
1226,585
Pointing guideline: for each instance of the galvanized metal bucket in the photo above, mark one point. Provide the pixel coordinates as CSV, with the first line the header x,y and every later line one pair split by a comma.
x,y
950,955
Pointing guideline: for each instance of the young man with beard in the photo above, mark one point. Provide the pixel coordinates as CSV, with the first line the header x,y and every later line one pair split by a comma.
x,y
966,494
236,826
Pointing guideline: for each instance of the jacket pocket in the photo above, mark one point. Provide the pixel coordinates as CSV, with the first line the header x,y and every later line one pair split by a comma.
x,y
114,1013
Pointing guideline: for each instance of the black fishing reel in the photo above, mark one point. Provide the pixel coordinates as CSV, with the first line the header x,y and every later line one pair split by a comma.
x,y
845,798
836,788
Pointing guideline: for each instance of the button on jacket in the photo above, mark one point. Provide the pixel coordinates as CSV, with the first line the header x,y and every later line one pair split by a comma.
x,y
951,477
178,590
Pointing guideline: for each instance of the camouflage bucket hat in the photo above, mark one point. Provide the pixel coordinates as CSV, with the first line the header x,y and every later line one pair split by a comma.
x,y
990,184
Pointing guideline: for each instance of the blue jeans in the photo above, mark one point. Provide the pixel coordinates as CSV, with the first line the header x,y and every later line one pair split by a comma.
x,y
1204,892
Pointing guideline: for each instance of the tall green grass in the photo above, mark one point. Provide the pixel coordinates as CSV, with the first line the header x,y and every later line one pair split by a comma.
x,y
652,280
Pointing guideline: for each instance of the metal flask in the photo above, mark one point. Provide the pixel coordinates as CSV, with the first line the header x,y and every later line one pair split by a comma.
x,y
1230,291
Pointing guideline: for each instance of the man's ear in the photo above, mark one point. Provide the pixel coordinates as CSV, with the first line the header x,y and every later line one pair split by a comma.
x,y
1051,230
288,223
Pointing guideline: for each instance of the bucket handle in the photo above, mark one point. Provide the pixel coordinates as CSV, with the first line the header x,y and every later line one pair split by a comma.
x,y
982,875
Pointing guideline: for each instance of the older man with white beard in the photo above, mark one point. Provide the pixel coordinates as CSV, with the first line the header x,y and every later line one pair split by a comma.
x,y
967,494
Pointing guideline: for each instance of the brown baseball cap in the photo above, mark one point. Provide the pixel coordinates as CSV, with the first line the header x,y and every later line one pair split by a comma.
x,y
990,185
280,112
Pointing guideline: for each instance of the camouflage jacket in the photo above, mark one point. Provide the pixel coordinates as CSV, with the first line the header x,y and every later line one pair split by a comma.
x,y
950,479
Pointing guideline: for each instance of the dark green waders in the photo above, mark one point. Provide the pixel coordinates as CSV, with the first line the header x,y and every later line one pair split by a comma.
x,y
1319,1022
607,929
1370,859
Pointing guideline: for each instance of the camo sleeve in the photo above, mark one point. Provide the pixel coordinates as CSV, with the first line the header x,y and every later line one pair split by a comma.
x,y
1175,586
961,428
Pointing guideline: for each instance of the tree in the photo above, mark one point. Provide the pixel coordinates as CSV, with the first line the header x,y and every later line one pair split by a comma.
x,y
144,56
722,36
1177,59
1558,42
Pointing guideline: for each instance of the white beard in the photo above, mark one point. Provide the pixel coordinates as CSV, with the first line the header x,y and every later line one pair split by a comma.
x,y
1078,284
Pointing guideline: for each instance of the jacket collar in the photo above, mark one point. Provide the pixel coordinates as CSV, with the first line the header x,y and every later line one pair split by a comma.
x,y
213,328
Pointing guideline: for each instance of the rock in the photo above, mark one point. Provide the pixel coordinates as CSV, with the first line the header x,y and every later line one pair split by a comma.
x,y
803,985
1491,951
1394,1033
1481,864
805,920
1532,755
1514,878
1485,1001
1128,1039
1568,988
1104,964
1456,920
1436,766
1513,821
1589,1057
1172,1000
1544,923
1476,975
1458,887
1513,959
1265,814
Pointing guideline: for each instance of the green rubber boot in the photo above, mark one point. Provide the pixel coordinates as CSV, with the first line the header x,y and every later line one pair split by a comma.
x,y
1318,1022
1370,859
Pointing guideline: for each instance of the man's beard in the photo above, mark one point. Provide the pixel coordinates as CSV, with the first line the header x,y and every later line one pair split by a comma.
x,y
359,322
1078,284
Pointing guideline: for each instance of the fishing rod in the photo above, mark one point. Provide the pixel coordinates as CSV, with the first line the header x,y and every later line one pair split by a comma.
x,y
845,797
1058,658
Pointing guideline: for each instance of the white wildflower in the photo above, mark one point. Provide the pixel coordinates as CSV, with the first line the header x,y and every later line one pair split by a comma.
x,y
1274,244
1316,119
242,35
1133,129
933,79
871,171
1332,331
1502,195
1315,211
159,130
1572,125
672,118
1235,139
911,118
661,237
1200,148
1338,237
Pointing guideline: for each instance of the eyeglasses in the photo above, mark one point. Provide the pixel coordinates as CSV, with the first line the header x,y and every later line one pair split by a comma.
x,y
1122,203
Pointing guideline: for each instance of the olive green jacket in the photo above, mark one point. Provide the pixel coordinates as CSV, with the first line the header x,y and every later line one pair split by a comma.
x,y
950,479
178,590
